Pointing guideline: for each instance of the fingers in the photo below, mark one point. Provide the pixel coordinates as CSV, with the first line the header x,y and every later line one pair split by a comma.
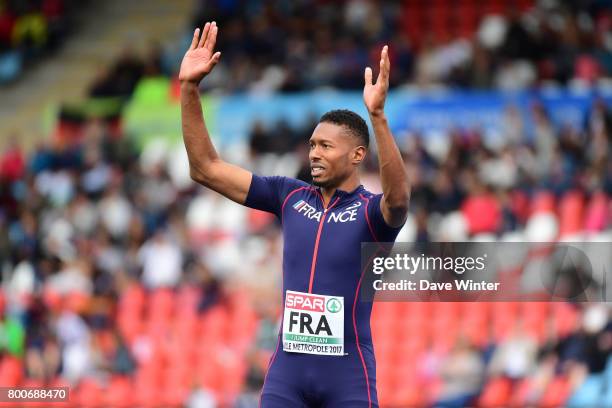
x,y
212,37
205,32
386,63
213,61
368,76
194,41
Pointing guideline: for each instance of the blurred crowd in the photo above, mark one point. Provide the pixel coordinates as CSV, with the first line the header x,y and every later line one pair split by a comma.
x,y
30,29
527,354
120,79
280,46
306,44
301,45
82,224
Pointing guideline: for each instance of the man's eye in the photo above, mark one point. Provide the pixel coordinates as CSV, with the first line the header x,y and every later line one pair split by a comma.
x,y
326,146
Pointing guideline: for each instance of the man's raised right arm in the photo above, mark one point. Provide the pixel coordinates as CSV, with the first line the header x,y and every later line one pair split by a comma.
x,y
205,166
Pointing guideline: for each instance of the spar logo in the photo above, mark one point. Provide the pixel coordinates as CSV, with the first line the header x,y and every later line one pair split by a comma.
x,y
334,305
347,215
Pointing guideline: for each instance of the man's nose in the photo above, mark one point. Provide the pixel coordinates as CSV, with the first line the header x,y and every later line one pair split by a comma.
x,y
314,153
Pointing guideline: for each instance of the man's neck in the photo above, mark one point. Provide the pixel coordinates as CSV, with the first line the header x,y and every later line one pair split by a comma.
x,y
347,185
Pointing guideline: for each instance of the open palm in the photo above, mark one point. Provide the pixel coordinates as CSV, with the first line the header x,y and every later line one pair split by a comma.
x,y
374,95
200,58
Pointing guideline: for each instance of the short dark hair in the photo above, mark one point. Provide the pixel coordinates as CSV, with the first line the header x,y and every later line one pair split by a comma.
x,y
350,120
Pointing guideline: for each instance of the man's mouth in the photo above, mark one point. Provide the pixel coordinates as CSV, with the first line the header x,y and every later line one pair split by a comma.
x,y
316,170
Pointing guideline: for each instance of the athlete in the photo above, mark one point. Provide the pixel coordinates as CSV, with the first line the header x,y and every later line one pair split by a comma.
x,y
324,356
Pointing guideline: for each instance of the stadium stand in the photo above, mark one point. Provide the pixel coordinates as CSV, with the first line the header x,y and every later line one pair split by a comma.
x,y
31,29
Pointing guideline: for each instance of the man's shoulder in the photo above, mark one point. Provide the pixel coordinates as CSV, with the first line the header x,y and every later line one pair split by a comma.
x,y
368,195
281,184
290,183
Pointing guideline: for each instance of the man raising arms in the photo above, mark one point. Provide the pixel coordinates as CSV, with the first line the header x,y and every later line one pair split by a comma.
x,y
324,355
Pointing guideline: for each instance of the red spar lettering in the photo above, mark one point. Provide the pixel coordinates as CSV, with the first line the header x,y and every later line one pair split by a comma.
x,y
305,302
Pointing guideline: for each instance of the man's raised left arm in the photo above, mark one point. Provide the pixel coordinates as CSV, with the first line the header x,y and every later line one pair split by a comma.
x,y
395,185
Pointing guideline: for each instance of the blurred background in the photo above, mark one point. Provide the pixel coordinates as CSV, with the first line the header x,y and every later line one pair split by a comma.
x,y
126,281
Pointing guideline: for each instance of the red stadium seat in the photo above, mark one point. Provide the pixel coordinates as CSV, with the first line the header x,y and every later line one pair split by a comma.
x,y
505,310
119,392
443,344
494,7
543,202
385,384
187,299
404,370
406,394
146,396
537,329
130,326
535,317
565,318
410,348
406,332
501,329
176,386
597,216
413,23
234,375
207,375
132,298
213,323
147,390
525,5
157,328
11,371
439,17
534,310
385,349
519,204
186,328
571,213
240,309
446,310
383,317
521,394
477,333
475,311
556,394
161,304
88,394
496,393
150,375
482,213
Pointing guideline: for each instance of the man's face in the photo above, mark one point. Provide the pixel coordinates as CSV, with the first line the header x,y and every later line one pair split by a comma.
x,y
334,154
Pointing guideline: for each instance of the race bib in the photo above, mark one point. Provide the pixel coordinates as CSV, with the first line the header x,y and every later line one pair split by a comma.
x,y
313,324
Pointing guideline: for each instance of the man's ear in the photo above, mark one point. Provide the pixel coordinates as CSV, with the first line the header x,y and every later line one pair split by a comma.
x,y
359,153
